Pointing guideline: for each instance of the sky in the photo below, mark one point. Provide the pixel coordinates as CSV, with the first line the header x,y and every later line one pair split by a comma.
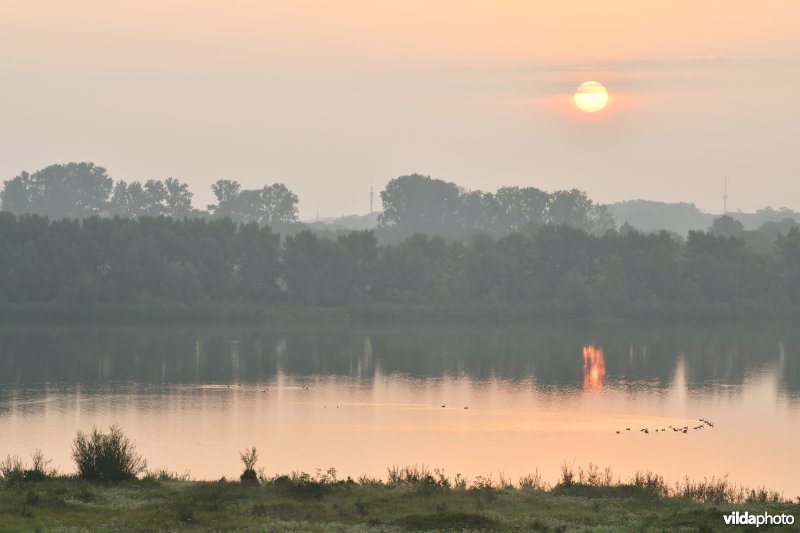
x,y
333,98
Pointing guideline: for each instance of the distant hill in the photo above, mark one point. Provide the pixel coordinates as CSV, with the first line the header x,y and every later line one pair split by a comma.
x,y
347,222
647,215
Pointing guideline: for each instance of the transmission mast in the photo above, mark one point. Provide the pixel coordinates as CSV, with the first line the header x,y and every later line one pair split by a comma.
x,y
725,197
371,199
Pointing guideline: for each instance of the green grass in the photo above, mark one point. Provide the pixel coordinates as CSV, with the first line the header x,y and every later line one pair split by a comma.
x,y
412,501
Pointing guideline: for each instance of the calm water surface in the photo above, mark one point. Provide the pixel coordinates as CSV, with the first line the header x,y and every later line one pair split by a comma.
x,y
472,399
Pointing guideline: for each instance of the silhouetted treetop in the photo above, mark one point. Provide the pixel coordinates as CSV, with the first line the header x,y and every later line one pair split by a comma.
x,y
421,204
727,226
74,190
269,205
81,190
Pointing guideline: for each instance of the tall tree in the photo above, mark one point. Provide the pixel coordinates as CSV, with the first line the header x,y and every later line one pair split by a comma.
x,y
74,190
129,200
179,198
272,204
420,204
156,198
519,208
727,226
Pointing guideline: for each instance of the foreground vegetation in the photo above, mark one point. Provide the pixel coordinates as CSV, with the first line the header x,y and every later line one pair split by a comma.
x,y
301,502
410,499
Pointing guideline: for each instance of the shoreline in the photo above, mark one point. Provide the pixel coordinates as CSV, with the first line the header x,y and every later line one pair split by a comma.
x,y
410,499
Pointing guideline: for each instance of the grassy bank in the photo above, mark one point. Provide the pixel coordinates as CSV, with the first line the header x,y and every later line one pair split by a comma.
x,y
411,499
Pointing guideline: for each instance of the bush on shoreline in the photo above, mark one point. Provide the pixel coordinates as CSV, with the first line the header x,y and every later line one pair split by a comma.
x,y
249,458
14,470
106,457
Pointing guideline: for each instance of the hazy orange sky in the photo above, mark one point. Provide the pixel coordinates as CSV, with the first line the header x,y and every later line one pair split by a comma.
x,y
334,97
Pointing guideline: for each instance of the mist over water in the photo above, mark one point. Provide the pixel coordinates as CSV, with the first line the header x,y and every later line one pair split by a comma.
x,y
362,398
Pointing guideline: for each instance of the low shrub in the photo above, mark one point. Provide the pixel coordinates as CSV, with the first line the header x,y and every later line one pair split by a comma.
x,y
164,474
532,482
13,470
39,470
249,458
304,485
418,477
567,475
650,484
106,457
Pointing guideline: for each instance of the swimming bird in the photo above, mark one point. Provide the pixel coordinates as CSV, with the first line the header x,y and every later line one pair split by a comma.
x,y
442,406
465,407
617,432
627,429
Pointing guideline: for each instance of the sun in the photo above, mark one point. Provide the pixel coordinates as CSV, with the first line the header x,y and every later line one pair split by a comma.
x,y
590,96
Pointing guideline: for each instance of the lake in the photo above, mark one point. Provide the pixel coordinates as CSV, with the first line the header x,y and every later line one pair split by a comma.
x,y
474,398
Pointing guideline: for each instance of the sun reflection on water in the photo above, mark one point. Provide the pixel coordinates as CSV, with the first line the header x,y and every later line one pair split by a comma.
x,y
594,367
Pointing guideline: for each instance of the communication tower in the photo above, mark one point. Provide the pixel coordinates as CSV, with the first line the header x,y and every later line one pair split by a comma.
x,y
725,197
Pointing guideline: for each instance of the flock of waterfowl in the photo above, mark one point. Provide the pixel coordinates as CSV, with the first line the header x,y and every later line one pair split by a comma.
x,y
684,429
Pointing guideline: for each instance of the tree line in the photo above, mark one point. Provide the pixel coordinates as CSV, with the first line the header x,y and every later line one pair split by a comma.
x,y
411,204
82,190
544,271
420,204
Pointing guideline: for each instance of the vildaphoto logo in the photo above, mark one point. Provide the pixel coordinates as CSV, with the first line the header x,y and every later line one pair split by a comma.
x,y
749,519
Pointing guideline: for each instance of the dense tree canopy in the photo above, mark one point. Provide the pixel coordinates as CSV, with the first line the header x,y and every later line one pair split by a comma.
x,y
82,190
544,271
76,190
272,204
155,198
516,250
420,204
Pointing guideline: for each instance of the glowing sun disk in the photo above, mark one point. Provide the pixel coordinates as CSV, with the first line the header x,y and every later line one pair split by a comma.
x,y
590,96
